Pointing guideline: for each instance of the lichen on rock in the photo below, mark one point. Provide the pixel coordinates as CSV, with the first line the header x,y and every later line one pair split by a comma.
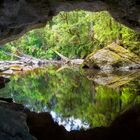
x,y
112,57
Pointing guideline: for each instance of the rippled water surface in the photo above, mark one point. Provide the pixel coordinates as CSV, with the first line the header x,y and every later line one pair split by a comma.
x,y
75,98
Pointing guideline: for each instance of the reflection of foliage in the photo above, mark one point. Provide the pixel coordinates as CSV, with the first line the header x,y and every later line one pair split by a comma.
x,y
71,94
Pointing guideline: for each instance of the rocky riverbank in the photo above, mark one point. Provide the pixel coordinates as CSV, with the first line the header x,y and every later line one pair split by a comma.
x,y
112,57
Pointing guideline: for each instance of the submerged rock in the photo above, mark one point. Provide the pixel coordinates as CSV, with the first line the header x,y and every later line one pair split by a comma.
x,y
111,58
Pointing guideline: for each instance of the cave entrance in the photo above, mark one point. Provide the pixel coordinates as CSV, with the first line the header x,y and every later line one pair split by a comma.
x,y
76,98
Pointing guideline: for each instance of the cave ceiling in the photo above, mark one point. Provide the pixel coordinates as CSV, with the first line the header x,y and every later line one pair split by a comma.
x,y
19,16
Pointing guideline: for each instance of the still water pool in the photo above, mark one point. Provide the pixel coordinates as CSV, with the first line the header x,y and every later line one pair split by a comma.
x,y
75,98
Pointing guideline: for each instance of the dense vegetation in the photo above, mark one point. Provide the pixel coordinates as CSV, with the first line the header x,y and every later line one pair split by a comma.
x,y
69,92
75,35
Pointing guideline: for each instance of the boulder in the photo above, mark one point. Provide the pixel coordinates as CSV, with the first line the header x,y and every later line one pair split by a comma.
x,y
112,57
13,125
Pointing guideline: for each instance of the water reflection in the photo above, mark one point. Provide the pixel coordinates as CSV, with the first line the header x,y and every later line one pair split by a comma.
x,y
72,97
70,123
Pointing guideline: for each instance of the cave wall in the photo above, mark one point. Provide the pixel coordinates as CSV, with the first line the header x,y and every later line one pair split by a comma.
x,y
20,16
19,123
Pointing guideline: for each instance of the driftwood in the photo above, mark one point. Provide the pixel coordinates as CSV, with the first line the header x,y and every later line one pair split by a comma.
x,y
26,62
64,58
69,61
30,60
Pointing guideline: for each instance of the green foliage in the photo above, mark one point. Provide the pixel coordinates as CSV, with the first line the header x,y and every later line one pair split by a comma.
x,y
4,56
75,35
70,94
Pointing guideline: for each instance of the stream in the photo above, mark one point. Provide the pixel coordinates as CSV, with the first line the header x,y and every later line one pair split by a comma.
x,y
76,98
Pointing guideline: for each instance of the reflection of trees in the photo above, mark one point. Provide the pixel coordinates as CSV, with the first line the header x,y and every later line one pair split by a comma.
x,y
71,94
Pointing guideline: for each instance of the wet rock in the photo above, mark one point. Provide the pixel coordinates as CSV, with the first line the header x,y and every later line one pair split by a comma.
x,y
3,81
112,57
13,125
14,107
127,125
41,125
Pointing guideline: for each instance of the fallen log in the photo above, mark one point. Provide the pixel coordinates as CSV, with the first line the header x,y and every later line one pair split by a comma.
x,y
69,61
27,62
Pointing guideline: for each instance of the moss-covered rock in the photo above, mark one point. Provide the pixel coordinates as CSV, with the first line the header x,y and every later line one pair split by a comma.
x,y
112,57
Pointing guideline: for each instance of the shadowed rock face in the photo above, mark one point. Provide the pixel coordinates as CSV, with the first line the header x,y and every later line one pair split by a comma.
x,y
13,125
20,16
3,81
126,12
15,119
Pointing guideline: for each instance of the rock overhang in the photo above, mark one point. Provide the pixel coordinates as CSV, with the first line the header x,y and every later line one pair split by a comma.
x,y
19,16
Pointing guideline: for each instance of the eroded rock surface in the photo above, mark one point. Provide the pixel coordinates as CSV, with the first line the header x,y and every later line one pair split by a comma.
x,y
112,57
13,126
126,12
20,16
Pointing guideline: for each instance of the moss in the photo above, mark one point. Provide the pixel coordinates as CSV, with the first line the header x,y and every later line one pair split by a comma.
x,y
125,54
112,55
117,64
